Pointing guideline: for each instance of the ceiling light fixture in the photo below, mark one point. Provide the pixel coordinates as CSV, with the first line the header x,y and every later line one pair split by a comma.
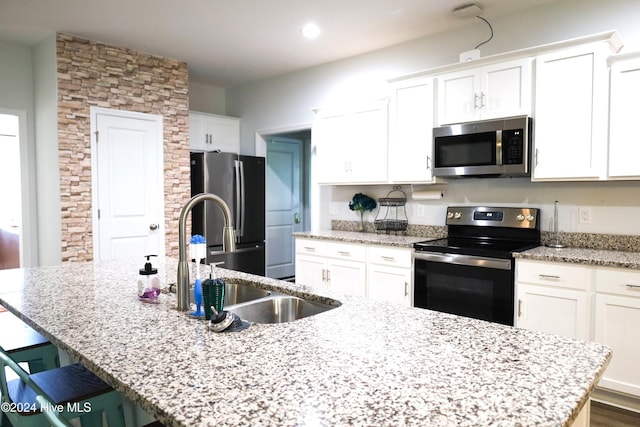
x,y
311,31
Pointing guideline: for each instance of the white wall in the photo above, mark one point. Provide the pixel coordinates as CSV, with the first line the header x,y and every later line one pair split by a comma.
x,y
207,98
286,102
16,97
47,160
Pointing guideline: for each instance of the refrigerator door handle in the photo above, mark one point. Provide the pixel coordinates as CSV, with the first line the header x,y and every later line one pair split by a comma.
x,y
240,199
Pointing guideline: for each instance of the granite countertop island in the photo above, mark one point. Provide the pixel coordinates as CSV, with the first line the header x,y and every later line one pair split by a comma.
x,y
363,363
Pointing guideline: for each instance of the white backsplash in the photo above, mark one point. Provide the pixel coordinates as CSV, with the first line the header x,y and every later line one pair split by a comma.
x,y
613,206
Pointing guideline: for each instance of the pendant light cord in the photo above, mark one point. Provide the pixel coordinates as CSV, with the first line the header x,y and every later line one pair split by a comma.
x,y
490,28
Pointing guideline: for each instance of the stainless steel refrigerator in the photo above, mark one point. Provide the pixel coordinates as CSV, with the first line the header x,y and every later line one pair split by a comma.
x,y
240,182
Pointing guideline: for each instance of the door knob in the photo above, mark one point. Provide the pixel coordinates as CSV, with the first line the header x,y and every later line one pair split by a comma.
x,y
296,218
153,226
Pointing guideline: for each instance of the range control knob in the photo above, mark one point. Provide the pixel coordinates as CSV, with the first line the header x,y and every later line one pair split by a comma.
x,y
449,215
520,217
457,215
531,218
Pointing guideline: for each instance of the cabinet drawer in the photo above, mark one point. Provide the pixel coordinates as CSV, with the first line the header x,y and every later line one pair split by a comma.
x,y
621,281
347,251
384,255
564,275
312,247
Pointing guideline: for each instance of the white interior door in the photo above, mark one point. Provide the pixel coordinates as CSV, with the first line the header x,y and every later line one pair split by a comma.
x,y
128,184
284,215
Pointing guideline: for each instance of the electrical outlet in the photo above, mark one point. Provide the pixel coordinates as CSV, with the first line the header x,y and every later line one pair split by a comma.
x,y
584,215
420,210
333,208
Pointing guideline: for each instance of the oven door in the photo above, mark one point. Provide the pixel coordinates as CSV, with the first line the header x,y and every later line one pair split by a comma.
x,y
471,286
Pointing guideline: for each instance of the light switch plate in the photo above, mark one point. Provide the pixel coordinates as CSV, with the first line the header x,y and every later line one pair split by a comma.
x,y
420,210
333,208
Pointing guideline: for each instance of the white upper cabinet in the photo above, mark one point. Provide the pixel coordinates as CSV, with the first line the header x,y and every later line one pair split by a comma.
x,y
211,132
492,91
624,139
411,130
351,146
571,114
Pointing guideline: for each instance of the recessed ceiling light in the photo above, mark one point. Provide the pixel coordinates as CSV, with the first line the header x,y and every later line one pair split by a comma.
x,y
311,31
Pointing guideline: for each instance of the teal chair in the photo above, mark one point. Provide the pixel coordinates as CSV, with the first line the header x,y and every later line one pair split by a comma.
x,y
24,344
73,389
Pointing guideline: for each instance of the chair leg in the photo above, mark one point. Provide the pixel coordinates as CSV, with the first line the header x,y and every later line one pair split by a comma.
x,y
93,418
109,404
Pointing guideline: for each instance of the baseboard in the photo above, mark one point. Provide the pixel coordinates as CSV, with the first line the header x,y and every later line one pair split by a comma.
x,y
617,399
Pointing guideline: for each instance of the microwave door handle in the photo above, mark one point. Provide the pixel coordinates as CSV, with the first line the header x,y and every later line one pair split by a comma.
x,y
498,147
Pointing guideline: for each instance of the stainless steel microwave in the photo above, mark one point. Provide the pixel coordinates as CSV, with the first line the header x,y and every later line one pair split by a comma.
x,y
485,148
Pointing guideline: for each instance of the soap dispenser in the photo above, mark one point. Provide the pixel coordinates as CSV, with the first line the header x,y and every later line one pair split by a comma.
x,y
148,282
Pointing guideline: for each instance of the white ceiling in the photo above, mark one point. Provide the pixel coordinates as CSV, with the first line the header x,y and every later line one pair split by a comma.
x,y
227,42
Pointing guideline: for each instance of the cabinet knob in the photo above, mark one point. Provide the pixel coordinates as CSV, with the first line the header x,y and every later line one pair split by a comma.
x,y
153,227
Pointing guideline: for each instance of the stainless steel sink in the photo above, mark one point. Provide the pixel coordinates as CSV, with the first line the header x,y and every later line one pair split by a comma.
x,y
278,309
235,293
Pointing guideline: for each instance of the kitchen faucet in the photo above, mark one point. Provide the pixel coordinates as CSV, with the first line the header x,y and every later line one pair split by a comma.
x,y
228,243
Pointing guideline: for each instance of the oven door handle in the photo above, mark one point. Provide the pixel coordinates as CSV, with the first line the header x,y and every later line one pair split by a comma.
x,y
473,261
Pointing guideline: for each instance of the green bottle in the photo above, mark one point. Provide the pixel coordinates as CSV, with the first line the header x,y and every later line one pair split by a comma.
x,y
213,294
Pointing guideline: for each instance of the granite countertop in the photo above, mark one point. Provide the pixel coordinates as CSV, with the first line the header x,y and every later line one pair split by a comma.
x,y
366,238
362,363
595,257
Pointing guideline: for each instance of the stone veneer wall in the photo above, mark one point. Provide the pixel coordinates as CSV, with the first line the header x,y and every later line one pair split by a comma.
x,y
94,74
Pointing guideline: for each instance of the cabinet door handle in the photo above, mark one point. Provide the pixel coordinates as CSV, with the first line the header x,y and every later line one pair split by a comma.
x,y
309,248
482,105
549,277
328,276
519,307
388,258
428,162
406,289
344,253
536,155
475,101
324,275
633,287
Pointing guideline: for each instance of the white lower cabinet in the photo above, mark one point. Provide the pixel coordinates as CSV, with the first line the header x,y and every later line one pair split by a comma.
x,y
379,272
311,270
562,312
600,304
553,298
331,265
389,275
347,276
617,316
390,284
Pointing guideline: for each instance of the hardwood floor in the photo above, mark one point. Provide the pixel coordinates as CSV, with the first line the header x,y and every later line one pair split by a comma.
x,y
609,416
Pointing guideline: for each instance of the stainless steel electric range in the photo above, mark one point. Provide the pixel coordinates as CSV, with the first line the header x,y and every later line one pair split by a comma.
x,y
471,272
